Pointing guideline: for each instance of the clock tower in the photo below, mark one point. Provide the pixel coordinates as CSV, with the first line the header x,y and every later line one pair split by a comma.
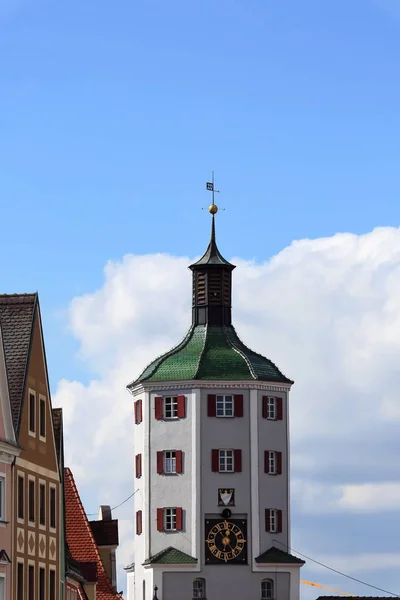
x,y
211,457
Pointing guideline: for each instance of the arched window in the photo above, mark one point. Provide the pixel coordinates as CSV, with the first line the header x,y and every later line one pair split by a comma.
x,y
267,589
199,588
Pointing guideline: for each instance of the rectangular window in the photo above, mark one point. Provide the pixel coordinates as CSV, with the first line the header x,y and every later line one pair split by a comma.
x,y
20,581
170,519
42,504
31,500
31,582
42,417
2,498
272,462
52,585
2,587
42,582
225,406
170,407
32,412
271,408
170,461
20,485
273,520
138,522
226,461
52,508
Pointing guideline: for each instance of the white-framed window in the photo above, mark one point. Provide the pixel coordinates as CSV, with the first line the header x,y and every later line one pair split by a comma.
x,y
272,463
31,580
42,582
42,418
2,498
20,497
271,407
199,588
170,407
225,406
52,584
52,506
273,520
31,499
2,586
170,461
226,461
267,589
170,519
32,413
42,504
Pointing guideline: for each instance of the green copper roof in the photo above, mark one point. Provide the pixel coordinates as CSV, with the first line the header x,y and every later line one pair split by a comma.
x,y
275,555
211,353
171,556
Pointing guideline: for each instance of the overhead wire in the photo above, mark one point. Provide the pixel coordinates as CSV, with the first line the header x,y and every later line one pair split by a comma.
x,y
336,571
118,505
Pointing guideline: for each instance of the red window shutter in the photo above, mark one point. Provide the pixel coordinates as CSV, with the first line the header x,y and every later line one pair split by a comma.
x,y
238,461
160,519
267,519
212,405
140,464
158,405
279,463
265,407
179,461
238,405
160,462
214,461
179,519
266,461
135,410
140,411
279,409
138,522
279,521
181,407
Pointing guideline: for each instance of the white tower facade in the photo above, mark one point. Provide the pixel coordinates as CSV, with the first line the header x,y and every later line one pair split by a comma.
x,y
212,462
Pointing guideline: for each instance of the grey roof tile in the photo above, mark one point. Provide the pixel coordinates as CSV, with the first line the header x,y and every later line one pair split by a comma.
x,y
16,320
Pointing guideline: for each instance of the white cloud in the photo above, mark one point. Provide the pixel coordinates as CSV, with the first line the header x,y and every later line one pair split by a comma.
x,y
326,311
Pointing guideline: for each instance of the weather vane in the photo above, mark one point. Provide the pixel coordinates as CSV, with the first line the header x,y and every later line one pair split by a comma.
x,y
213,208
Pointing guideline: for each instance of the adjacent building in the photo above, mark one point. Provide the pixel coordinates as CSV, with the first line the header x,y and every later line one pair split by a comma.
x,y
9,450
212,463
35,475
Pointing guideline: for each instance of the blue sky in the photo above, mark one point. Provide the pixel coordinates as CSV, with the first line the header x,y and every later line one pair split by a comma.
x,y
113,114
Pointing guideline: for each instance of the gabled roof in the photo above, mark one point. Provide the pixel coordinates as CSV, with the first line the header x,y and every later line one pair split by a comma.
x,y
17,313
4,557
275,555
81,543
171,556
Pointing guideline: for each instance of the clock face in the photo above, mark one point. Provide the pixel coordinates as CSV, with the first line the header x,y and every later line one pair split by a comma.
x,y
226,541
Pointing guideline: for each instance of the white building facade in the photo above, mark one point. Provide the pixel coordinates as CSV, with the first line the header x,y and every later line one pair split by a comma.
x,y
212,463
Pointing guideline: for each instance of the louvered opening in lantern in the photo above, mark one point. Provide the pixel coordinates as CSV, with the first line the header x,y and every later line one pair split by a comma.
x,y
201,288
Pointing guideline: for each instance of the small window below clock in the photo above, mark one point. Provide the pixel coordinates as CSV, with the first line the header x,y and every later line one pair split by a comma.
x,y
267,589
199,588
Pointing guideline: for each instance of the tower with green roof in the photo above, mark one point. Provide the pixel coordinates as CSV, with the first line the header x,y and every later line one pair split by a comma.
x,y
211,454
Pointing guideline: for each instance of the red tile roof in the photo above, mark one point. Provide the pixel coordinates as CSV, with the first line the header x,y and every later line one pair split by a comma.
x,y
80,538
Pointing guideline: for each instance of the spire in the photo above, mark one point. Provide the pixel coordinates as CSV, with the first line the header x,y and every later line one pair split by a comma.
x,y
212,281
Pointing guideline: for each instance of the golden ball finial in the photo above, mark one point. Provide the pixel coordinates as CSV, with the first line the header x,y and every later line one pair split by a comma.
x,y
213,209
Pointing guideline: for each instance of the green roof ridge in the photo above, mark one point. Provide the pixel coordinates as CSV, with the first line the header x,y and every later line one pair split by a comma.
x,y
171,556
